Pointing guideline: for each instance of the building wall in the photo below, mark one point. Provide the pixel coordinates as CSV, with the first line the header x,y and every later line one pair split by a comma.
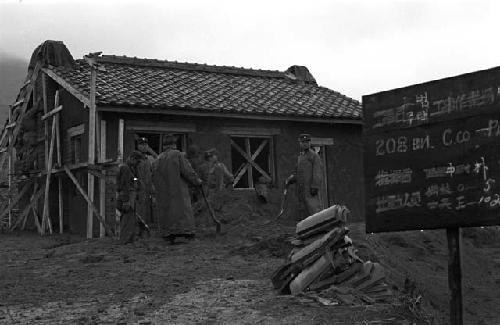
x,y
344,157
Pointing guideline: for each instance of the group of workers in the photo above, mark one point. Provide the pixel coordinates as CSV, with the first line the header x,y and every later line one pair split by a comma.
x,y
160,189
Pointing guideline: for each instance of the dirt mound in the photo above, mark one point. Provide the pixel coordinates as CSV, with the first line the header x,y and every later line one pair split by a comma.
x,y
278,246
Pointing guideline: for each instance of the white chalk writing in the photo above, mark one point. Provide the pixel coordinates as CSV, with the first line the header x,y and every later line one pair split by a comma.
x,y
447,171
398,201
400,176
419,112
438,190
470,100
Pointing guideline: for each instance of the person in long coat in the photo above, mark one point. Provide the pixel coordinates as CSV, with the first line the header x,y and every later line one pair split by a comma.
x,y
126,190
308,176
145,175
172,174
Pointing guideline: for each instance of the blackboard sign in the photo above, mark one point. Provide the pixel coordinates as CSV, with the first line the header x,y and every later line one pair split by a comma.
x,y
432,154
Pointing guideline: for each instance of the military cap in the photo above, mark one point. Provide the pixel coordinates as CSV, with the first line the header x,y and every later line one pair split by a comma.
x,y
210,152
142,140
304,137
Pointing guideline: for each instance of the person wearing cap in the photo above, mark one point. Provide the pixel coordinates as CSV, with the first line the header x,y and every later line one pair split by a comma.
x,y
216,178
127,187
308,177
172,174
145,195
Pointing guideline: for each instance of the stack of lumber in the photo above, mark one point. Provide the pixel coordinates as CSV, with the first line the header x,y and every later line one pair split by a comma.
x,y
324,261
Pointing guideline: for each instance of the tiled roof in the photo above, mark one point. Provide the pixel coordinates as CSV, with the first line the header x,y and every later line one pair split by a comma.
x,y
195,87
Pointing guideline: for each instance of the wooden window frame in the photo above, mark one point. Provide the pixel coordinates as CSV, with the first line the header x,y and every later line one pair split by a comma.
x,y
72,134
250,159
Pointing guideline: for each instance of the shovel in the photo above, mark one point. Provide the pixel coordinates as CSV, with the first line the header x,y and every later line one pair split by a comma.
x,y
282,207
212,213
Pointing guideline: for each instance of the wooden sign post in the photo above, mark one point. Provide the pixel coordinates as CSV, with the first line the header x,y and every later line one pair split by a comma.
x,y
432,161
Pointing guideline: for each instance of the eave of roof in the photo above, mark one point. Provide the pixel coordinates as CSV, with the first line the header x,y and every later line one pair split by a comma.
x,y
185,112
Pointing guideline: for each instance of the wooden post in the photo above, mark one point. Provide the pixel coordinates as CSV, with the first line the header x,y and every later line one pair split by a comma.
x,y
119,158
46,121
249,153
59,165
121,125
45,216
102,180
85,196
91,160
11,161
454,237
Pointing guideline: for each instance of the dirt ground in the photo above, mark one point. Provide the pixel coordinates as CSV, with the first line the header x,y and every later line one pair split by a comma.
x,y
65,279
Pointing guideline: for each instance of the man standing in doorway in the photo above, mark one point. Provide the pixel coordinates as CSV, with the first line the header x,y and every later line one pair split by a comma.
x,y
308,177
172,174
127,185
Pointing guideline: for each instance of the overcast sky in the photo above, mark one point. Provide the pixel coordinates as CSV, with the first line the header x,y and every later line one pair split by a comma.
x,y
355,47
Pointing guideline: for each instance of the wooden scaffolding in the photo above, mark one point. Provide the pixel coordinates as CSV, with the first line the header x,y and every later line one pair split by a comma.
x,y
38,182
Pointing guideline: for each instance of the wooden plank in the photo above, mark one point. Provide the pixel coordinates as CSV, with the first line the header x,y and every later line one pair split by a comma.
x,y
52,112
85,196
91,149
59,179
73,91
24,215
102,180
321,141
19,102
27,82
249,131
34,199
162,127
76,130
121,125
10,165
241,171
45,215
135,110
16,199
250,161
249,154
455,275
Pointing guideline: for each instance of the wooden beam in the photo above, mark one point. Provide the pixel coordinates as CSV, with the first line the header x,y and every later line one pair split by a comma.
x,y
162,127
85,196
34,207
19,102
24,215
27,82
52,112
59,179
121,124
45,215
91,149
102,180
249,131
185,112
66,85
12,203
10,165
250,171
249,159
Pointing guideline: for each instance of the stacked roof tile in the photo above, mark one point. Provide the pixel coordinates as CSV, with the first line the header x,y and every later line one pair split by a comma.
x,y
125,81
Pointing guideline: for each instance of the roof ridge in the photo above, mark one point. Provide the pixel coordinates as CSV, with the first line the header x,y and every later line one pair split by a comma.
x,y
114,59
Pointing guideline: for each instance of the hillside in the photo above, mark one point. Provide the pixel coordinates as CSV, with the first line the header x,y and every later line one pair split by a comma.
x,y
12,73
